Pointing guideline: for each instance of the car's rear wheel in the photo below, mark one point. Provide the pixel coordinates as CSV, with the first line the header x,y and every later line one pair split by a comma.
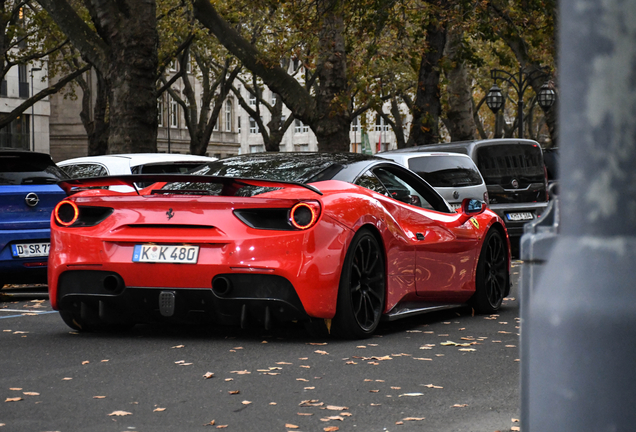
x,y
493,278
362,288
77,323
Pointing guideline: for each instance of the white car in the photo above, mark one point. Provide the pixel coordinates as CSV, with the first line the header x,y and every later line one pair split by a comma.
x,y
133,163
455,176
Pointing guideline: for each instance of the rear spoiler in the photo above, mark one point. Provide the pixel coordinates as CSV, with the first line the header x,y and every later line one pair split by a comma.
x,y
230,184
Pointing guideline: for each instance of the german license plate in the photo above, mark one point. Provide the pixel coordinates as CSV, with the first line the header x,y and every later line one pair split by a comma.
x,y
27,250
521,216
151,253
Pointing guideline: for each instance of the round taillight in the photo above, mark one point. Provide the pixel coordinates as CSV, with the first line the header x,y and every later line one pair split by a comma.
x,y
66,213
303,215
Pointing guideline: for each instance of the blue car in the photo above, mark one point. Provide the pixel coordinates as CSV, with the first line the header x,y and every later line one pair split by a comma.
x,y
28,194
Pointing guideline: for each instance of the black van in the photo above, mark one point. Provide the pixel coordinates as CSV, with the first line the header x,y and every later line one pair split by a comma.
x,y
515,176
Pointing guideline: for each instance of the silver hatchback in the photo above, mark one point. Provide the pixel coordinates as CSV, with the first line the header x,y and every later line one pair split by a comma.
x,y
455,176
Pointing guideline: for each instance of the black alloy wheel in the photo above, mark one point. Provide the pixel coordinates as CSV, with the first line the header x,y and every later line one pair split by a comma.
x,y
362,288
493,278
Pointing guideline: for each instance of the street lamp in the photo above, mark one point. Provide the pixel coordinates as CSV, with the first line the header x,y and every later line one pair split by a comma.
x,y
495,99
33,69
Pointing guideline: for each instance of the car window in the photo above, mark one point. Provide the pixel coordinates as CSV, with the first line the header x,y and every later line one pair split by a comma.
x,y
166,168
85,170
370,181
446,171
400,190
29,168
405,186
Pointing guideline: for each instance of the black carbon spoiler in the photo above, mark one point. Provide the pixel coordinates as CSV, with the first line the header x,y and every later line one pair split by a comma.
x,y
230,184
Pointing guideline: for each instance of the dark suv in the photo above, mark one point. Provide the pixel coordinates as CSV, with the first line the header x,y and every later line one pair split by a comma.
x,y
515,176
28,194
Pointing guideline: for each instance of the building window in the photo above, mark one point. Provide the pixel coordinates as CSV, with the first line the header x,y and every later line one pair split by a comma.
x,y
228,116
301,147
239,124
16,134
174,113
274,98
173,66
379,124
256,149
252,99
300,127
160,113
23,82
253,126
355,125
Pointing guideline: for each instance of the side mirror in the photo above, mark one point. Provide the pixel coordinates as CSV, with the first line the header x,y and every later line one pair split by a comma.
x,y
472,207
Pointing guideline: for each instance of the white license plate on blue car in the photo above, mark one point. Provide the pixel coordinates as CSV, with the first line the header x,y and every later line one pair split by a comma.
x,y
28,250
520,216
152,253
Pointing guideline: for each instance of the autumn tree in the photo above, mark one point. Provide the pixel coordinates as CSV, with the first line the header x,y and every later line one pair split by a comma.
x,y
28,36
120,42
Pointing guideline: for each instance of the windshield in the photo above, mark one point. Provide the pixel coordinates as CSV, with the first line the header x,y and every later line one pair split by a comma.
x,y
446,171
29,168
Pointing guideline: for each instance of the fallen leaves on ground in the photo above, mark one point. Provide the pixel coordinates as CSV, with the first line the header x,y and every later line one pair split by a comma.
x,y
243,372
321,352
246,402
99,397
413,419
15,399
291,426
120,413
336,408
331,429
459,406
178,346
234,392
411,394
158,410
433,386
208,375
31,393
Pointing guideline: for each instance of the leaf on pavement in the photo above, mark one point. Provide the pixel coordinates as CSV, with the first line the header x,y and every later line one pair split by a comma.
x,y
459,406
411,394
85,362
233,392
31,393
321,352
15,388
158,410
283,363
246,402
243,372
311,403
15,399
433,386
317,343
302,379
120,413
178,346
326,419
291,426
305,414
212,423
99,397
413,419
336,408
66,379
331,429
208,375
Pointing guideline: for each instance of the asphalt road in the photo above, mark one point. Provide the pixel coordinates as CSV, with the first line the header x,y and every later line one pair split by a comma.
x,y
413,376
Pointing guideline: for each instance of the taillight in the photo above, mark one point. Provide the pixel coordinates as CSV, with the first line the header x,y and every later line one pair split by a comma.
x,y
66,213
304,215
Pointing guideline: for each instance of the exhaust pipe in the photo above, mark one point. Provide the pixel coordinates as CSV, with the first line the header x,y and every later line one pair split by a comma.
x,y
112,283
221,286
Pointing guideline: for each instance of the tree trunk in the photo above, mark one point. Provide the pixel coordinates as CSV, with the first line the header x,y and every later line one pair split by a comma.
x,y
428,107
461,122
124,51
97,127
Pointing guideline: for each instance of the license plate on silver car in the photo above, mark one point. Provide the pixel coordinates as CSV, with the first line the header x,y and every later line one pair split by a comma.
x,y
521,216
27,250
152,253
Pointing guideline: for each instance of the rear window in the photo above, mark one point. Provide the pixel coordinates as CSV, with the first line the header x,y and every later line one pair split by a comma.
x,y
166,168
29,168
446,171
500,163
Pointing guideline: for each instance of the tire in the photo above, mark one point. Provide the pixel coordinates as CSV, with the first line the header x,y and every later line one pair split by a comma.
x,y
78,324
362,289
492,278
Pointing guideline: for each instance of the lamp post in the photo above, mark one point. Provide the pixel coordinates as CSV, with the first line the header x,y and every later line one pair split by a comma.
x,y
520,83
33,69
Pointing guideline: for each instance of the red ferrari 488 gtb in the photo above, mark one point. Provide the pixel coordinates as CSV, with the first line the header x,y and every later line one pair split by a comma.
x,y
341,239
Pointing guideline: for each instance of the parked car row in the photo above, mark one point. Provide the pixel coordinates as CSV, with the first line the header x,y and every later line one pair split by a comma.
x,y
260,235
